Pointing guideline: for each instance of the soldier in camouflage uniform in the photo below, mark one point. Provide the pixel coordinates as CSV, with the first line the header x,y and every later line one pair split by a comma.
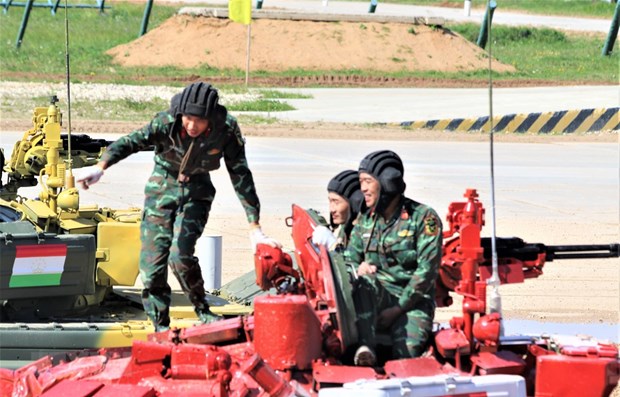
x,y
346,201
189,140
396,248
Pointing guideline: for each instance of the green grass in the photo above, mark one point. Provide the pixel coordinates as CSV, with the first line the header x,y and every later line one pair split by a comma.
x,y
548,54
120,109
275,94
255,119
260,105
127,109
90,34
582,8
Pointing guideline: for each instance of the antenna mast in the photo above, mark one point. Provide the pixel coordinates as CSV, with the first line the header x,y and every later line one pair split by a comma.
x,y
495,300
70,178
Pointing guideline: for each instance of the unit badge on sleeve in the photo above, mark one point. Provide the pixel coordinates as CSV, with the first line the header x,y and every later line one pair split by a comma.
x,y
431,226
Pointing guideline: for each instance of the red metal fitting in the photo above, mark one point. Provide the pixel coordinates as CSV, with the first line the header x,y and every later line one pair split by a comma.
x,y
481,292
452,343
272,266
487,329
287,331
473,306
266,377
456,322
190,361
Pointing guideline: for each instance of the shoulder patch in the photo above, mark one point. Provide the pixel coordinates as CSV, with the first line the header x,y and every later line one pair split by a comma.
x,y
240,138
232,123
431,226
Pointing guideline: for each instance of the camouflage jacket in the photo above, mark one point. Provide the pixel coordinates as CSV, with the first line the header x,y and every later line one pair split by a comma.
x,y
406,249
171,144
342,240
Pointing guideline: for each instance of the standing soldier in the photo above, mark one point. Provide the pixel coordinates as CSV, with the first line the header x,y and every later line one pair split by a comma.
x,y
189,140
346,201
395,248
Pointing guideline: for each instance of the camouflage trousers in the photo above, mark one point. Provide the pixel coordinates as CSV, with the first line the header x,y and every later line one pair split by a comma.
x,y
409,333
174,217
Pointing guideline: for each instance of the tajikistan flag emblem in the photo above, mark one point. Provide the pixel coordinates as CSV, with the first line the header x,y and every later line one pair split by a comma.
x,y
38,265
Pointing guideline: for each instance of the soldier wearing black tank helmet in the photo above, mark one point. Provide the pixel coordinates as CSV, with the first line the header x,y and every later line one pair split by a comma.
x,y
346,201
395,248
190,139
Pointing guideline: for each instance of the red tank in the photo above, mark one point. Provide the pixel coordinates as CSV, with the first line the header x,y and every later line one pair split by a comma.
x,y
299,341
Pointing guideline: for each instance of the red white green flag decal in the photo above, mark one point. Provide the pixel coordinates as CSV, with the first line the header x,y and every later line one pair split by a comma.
x,y
38,265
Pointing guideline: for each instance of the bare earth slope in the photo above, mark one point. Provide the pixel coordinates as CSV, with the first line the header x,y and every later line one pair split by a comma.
x,y
278,45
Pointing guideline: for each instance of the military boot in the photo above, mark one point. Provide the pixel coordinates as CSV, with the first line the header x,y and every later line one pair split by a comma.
x,y
206,316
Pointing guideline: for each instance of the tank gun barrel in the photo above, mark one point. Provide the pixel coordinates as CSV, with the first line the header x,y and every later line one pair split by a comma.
x,y
588,251
514,247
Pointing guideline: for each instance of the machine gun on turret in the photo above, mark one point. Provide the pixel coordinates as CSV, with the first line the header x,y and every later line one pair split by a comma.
x,y
30,154
88,240
517,259
533,256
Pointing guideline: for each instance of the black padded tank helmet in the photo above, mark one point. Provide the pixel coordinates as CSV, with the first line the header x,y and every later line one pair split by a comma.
x,y
347,185
386,167
198,99
201,100
344,184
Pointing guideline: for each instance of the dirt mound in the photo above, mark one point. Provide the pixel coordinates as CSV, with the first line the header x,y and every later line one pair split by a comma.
x,y
277,45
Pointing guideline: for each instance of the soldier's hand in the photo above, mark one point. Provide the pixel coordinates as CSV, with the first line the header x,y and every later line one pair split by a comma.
x,y
89,176
365,269
387,316
258,237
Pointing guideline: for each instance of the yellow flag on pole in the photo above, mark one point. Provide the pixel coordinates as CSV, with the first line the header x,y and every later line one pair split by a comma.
x,y
240,11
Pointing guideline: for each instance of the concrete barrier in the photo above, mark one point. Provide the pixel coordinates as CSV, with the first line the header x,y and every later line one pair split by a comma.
x,y
316,16
565,121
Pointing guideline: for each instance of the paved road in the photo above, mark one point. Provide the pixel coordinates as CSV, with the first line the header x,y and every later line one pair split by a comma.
x,y
371,105
500,16
540,181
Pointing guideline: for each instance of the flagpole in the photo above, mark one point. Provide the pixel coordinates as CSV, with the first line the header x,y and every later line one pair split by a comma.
x,y
247,64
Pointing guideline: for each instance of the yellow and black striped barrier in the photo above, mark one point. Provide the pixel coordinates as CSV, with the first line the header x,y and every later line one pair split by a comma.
x,y
565,121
